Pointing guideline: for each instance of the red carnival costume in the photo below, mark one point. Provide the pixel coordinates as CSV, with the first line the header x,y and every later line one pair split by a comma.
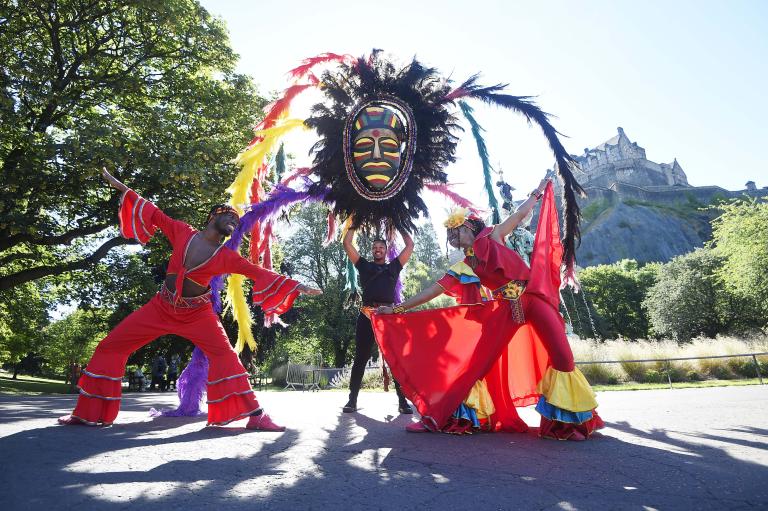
x,y
230,396
516,342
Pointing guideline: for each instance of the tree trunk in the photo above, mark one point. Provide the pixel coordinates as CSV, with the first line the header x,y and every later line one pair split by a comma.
x,y
16,369
20,277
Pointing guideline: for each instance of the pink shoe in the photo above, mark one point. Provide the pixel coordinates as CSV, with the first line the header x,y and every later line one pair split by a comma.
x,y
263,422
416,427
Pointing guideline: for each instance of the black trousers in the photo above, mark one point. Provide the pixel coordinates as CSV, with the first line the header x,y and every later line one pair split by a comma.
x,y
363,345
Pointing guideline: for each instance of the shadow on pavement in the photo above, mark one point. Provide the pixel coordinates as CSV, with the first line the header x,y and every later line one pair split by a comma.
x,y
353,461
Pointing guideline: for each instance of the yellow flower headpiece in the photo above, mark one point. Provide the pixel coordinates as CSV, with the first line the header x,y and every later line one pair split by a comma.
x,y
458,217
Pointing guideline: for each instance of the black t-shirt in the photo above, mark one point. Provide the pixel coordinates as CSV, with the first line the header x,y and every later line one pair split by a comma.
x,y
378,280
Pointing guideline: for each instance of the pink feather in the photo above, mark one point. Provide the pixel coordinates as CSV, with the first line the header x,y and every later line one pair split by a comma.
x,y
331,229
444,190
303,171
456,93
308,63
279,106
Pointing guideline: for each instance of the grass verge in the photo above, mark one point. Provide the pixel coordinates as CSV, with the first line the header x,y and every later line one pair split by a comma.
x,y
675,385
31,385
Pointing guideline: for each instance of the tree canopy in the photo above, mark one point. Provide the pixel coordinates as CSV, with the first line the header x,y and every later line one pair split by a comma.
x,y
617,291
740,238
144,88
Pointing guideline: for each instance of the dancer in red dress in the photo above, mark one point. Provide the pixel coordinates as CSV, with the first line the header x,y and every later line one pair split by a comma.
x,y
183,307
516,341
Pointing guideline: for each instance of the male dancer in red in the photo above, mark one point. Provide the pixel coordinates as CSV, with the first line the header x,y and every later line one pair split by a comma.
x,y
183,307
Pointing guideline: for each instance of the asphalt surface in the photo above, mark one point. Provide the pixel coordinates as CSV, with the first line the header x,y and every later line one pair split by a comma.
x,y
662,449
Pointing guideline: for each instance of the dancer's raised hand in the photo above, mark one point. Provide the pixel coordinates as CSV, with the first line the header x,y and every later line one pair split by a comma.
x,y
543,184
112,181
309,290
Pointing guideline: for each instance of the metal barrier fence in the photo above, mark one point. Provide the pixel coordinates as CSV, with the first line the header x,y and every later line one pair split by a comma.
x,y
669,361
314,377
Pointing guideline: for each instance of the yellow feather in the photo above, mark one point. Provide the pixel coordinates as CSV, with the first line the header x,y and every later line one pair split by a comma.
x,y
345,228
236,302
252,158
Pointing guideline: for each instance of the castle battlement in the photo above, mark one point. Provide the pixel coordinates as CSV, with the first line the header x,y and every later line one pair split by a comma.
x,y
642,210
620,159
617,170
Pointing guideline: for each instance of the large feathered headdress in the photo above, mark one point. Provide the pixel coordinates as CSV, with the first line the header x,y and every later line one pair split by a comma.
x,y
421,107
416,92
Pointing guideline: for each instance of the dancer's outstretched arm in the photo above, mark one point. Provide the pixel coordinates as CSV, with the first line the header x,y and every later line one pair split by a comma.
x,y
426,295
506,227
112,181
147,217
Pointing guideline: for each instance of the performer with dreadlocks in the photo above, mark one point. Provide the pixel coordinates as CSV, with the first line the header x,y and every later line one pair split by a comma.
x,y
183,307
516,341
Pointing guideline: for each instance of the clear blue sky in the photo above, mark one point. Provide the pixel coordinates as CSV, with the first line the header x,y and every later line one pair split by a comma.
x,y
685,79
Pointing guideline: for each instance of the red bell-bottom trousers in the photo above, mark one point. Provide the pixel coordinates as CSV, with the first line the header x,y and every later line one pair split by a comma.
x,y
230,396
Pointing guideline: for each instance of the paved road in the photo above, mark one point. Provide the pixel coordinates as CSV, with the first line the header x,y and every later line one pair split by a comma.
x,y
665,449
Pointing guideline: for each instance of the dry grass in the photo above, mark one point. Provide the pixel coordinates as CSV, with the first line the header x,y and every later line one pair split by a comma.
x,y
589,350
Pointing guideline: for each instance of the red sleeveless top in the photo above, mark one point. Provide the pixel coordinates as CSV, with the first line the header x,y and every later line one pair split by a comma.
x,y
496,264
140,219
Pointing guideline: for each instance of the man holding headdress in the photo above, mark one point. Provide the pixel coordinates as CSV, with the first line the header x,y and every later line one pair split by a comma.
x,y
378,279
376,144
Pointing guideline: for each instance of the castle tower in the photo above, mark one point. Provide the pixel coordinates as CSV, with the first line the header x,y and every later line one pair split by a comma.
x,y
619,160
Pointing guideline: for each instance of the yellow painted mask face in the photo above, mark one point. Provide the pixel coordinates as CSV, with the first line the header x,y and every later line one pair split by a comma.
x,y
377,146
376,153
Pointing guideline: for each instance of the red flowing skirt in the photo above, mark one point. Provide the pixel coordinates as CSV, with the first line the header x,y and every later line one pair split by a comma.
x,y
437,356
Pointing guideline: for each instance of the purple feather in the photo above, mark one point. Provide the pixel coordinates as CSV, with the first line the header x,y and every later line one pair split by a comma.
x,y
392,253
217,284
192,387
278,199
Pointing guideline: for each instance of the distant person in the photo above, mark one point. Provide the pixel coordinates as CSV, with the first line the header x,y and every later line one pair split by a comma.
x,y
74,374
159,366
138,377
173,370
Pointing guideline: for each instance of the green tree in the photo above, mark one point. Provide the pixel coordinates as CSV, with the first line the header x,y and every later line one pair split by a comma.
x,y
71,340
740,239
23,315
427,265
144,88
687,300
428,250
617,292
326,322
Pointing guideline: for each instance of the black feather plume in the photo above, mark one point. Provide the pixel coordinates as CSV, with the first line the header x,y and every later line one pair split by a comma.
x,y
563,161
369,78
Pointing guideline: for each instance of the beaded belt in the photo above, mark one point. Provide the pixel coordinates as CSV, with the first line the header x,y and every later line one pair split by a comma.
x,y
186,302
512,291
378,304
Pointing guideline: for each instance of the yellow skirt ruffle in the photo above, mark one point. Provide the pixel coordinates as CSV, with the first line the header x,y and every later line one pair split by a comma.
x,y
569,391
480,401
